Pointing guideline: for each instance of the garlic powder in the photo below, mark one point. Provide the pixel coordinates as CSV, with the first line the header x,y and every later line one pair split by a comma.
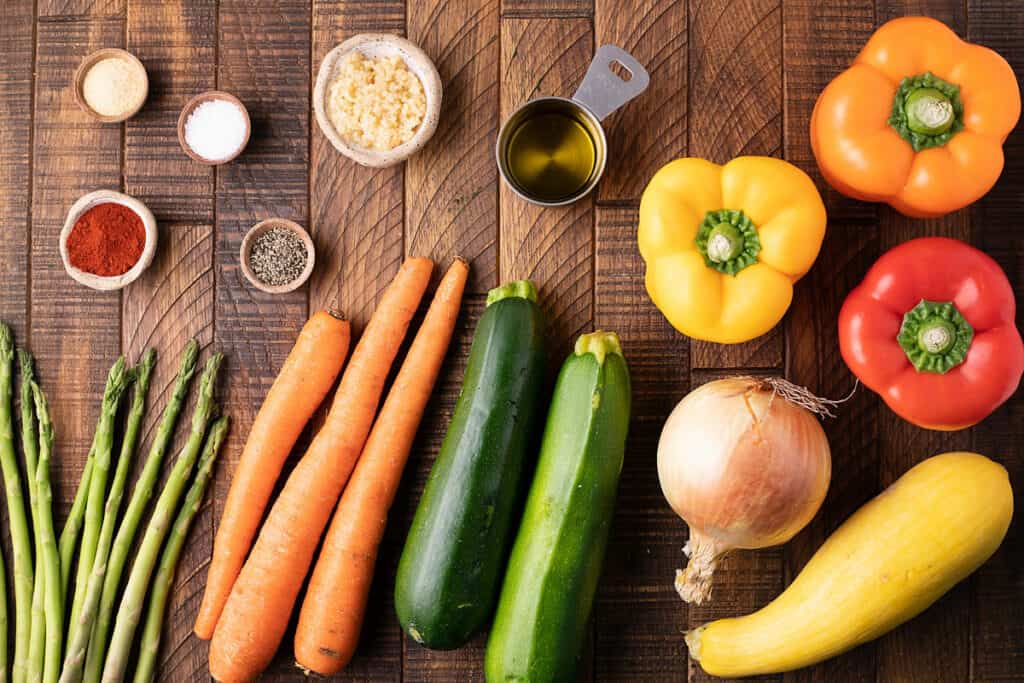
x,y
375,102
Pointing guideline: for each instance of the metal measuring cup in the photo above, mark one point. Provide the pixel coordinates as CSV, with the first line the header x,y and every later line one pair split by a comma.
x,y
602,92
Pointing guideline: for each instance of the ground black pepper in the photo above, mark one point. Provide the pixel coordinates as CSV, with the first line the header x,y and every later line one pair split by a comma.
x,y
277,257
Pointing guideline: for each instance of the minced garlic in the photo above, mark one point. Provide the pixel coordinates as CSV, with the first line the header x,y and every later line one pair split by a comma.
x,y
113,87
376,102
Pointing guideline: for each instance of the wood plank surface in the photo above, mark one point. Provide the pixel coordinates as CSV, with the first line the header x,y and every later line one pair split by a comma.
x,y
997,630
76,332
818,45
176,41
551,246
263,59
17,57
729,77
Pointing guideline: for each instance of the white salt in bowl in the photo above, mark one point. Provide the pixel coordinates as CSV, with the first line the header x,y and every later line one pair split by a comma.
x,y
190,107
108,283
380,45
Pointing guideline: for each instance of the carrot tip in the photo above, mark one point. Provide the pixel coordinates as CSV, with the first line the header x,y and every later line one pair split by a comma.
x,y
335,313
462,260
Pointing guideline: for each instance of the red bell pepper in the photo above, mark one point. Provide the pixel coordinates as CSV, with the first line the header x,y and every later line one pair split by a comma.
x,y
931,329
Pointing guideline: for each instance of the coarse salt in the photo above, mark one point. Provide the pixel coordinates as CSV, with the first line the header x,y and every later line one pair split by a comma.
x,y
215,129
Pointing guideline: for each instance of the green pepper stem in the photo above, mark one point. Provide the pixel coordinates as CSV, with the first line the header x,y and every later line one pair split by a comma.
x,y
728,241
927,111
935,336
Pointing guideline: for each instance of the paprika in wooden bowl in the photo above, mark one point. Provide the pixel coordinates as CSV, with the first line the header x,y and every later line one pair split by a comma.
x,y
108,240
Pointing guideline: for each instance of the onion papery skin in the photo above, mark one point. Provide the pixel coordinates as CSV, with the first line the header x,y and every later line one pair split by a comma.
x,y
744,468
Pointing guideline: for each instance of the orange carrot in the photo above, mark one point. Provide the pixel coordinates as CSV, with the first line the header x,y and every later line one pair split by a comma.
x,y
256,614
332,611
300,387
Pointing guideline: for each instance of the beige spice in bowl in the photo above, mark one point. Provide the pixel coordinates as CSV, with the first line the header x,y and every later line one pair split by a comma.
x,y
377,98
111,85
375,102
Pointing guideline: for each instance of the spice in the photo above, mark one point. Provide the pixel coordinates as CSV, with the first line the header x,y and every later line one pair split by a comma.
x,y
106,240
114,87
277,257
215,129
376,103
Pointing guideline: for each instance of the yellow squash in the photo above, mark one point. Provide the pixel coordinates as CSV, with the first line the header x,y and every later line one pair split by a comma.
x,y
724,244
892,559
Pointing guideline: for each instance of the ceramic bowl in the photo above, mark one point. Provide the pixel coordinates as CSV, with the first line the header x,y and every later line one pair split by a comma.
x,y
416,60
83,69
259,229
195,102
112,282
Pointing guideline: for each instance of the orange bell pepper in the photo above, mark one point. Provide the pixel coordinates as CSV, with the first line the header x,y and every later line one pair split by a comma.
x,y
918,121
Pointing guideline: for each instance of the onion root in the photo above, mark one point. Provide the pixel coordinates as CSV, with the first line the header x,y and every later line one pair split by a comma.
x,y
694,583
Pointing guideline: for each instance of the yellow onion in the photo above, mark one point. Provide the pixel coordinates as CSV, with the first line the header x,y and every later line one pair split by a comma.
x,y
746,464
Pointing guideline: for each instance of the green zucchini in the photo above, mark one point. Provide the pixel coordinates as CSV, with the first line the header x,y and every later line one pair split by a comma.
x,y
556,561
450,571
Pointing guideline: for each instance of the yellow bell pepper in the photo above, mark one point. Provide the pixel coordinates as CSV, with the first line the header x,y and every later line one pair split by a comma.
x,y
724,244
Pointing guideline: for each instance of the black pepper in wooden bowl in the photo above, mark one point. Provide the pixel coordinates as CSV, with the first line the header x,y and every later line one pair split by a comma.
x,y
277,257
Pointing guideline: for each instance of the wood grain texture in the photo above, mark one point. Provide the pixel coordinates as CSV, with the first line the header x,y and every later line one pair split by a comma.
x,y
80,8
551,9
17,55
450,198
651,130
551,246
735,74
176,42
76,331
356,213
638,617
820,41
996,625
263,58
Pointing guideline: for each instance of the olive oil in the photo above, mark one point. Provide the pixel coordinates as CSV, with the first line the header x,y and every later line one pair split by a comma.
x,y
551,156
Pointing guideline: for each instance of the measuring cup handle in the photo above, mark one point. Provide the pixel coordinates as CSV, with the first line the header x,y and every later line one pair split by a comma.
x,y
602,90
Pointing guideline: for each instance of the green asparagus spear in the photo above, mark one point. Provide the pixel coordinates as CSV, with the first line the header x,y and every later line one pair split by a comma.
x,y
21,540
130,611
79,632
73,526
30,447
133,514
53,599
3,622
102,447
151,630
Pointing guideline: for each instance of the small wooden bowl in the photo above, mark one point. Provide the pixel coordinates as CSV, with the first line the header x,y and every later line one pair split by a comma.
x,y
261,228
112,282
83,69
416,60
195,102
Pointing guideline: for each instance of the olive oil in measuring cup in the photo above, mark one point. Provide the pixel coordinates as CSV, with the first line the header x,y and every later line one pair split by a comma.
x,y
551,155
551,150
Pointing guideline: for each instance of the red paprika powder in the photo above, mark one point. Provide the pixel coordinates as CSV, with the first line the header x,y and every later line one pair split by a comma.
x,y
106,240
